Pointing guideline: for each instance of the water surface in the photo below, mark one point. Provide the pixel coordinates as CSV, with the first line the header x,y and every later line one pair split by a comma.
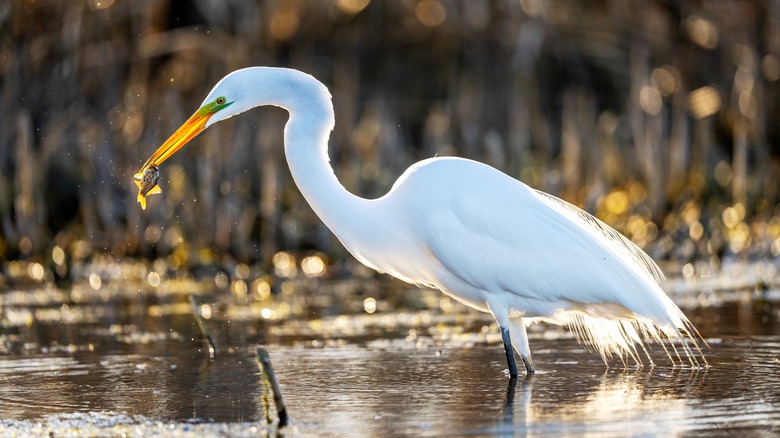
x,y
416,372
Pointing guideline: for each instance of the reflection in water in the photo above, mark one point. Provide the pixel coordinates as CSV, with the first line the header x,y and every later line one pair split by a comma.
x,y
355,391
425,388
508,417
613,403
740,391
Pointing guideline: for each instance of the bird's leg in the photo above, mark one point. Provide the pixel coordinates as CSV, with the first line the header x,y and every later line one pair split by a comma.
x,y
510,354
521,342
529,365
501,313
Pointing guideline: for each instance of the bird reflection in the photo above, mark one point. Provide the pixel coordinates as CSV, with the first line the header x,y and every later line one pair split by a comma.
x,y
655,397
508,412
508,426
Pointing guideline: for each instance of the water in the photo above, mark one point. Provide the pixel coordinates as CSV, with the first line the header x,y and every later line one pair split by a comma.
x,y
424,376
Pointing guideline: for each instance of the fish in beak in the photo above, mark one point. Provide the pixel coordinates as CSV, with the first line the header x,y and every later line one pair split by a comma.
x,y
146,180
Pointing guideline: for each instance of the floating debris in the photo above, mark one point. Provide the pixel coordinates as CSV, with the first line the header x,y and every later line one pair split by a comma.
x,y
118,424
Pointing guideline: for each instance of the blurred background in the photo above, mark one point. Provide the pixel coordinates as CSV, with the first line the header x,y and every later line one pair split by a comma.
x,y
657,116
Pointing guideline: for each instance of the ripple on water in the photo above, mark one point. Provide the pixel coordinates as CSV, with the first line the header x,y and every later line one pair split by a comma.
x,y
429,385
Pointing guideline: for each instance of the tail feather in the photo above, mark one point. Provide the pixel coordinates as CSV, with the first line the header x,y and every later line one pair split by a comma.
x,y
624,337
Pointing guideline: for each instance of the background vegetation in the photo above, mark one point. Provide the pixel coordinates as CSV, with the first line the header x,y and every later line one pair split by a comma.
x,y
659,116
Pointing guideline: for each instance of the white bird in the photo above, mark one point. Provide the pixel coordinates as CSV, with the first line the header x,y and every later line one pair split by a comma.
x,y
465,228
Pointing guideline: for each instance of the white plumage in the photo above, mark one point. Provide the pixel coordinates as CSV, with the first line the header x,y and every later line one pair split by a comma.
x,y
473,232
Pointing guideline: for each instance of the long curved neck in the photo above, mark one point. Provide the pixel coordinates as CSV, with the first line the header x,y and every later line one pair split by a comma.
x,y
305,136
306,147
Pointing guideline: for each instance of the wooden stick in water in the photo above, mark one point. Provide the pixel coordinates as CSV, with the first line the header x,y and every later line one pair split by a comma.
x,y
265,398
203,328
269,375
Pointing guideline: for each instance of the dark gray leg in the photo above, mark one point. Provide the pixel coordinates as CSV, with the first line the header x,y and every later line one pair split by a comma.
x,y
521,342
510,354
529,365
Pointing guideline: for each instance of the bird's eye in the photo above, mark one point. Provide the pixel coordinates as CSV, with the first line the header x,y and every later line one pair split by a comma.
x,y
221,100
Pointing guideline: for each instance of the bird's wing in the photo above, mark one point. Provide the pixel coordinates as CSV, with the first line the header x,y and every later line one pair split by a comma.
x,y
619,241
515,239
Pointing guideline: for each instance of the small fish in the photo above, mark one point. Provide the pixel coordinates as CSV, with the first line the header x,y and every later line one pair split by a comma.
x,y
146,180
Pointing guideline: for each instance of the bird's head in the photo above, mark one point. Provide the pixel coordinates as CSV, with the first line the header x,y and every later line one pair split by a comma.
x,y
237,92
234,94
214,109
219,105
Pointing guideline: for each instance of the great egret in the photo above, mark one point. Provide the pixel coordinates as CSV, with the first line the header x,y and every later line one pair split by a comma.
x,y
465,228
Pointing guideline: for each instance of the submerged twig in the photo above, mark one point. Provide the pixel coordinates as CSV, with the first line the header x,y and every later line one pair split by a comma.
x,y
264,399
269,377
203,328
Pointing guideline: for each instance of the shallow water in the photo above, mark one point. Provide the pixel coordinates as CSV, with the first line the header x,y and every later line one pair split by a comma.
x,y
362,380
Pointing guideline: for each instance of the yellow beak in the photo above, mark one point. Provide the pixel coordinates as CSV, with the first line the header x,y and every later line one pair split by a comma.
x,y
191,128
